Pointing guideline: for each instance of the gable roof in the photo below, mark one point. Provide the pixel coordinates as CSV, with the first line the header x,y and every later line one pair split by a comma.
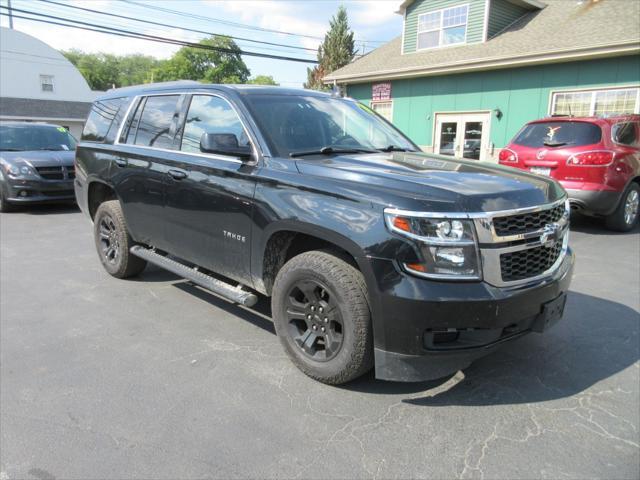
x,y
564,30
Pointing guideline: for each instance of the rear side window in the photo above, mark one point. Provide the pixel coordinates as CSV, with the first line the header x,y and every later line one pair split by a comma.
x,y
624,133
558,134
156,126
100,119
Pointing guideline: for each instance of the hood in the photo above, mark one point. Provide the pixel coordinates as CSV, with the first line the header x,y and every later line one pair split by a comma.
x,y
40,158
435,182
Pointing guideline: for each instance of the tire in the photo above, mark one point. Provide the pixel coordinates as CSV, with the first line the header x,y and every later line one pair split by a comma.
x,y
322,317
113,242
625,217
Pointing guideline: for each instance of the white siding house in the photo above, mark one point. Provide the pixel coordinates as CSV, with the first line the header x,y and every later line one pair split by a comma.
x,y
38,83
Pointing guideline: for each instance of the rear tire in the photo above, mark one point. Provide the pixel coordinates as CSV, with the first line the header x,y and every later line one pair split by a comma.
x,y
113,242
322,317
625,216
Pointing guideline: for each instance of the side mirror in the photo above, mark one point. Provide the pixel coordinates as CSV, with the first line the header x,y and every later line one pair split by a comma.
x,y
224,144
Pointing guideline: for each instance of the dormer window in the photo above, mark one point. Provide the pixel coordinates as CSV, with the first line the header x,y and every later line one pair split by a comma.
x,y
442,27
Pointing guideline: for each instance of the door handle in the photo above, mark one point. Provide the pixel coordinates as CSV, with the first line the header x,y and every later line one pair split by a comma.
x,y
177,174
121,162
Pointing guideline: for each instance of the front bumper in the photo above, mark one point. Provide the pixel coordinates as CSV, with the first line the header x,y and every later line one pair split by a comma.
x,y
38,191
425,330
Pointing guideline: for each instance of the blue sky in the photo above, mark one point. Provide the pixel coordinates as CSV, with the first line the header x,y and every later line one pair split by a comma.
x,y
373,22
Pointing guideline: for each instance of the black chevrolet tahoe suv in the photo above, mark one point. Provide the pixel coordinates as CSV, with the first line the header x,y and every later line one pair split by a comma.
x,y
373,253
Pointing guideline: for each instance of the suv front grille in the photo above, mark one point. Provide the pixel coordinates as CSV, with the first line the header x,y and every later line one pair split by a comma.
x,y
56,173
528,263
527,222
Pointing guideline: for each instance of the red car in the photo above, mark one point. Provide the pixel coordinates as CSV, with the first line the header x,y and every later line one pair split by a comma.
x,y
597,160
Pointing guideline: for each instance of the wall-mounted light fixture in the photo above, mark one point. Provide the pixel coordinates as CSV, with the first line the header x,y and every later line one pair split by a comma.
x,y
498,113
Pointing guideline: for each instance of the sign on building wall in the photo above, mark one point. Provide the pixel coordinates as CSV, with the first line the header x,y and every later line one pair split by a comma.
x,y
381,91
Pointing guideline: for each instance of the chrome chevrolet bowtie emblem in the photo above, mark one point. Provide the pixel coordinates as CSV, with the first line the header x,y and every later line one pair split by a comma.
x,y
550,234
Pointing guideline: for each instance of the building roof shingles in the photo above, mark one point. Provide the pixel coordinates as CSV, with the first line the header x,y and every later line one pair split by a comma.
x,y
48,109
562,26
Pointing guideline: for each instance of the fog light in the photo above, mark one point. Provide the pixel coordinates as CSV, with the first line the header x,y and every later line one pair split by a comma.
x,y
23,193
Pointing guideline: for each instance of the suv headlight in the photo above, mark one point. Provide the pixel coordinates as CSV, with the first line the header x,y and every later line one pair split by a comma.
x,y
19,170
447,246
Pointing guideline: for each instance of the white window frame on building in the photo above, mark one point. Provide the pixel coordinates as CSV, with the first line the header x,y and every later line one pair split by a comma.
x,y
46,83
591,102
380,106
437,25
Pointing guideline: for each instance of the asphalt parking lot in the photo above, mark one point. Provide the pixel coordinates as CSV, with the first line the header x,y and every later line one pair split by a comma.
x,y
154,378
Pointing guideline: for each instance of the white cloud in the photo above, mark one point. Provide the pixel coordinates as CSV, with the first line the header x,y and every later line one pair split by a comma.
x,y
370,13
284,16
63,38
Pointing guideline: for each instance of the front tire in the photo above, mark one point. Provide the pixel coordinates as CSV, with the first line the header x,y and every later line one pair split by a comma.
x,y
625,217
322,317
113,242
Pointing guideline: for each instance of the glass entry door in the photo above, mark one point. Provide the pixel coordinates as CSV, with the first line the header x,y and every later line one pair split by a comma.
x,y
462,135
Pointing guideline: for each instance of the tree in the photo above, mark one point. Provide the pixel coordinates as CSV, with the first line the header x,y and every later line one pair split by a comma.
x,y
135,69
103,71
210,66
99,70
263,80
336,51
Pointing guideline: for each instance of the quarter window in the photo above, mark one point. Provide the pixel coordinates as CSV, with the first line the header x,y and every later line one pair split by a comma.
x,y
624,133
596,102
156,127
100,119
442,27
210,114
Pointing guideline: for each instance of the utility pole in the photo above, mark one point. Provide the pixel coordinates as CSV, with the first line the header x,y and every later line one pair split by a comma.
x,y
10,15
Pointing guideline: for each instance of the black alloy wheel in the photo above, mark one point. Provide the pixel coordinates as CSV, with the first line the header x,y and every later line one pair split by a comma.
x,y
109,241
315,322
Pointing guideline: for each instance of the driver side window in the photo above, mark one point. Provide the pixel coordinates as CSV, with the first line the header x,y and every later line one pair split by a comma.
x,y
210,114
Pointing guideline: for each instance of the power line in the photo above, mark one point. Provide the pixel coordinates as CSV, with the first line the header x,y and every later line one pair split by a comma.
x,y
151,22
80,16
217,20
128,33
231,23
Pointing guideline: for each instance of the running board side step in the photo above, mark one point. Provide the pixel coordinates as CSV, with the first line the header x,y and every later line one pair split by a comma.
x,y
226,290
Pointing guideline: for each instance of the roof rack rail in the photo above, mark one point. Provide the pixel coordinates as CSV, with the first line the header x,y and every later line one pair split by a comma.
x,y
177,83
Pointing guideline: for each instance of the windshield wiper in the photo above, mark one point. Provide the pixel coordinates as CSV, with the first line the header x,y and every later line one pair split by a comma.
x,y
554,144
11,150
394,148
330,151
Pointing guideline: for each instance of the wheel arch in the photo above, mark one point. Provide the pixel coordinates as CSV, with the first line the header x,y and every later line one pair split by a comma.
x,y
98,192
288,239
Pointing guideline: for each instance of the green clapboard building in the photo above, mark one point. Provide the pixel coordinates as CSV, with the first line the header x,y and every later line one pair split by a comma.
x,y
465,75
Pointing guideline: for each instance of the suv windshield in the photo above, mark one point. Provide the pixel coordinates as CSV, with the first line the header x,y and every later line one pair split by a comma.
x,y
295,124
558,134
18,138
